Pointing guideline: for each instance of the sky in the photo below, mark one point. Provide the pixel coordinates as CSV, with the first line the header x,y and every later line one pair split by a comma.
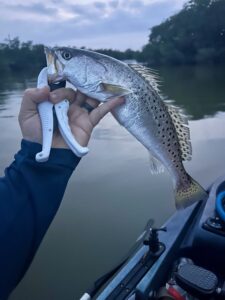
x,y
116,24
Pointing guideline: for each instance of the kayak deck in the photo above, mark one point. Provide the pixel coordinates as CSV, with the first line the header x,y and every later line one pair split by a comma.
x,y
189,235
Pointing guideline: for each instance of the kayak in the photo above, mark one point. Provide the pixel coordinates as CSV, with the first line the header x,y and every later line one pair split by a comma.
x,y
184,259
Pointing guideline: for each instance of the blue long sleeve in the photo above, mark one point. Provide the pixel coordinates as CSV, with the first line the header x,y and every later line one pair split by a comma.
x,y
30,195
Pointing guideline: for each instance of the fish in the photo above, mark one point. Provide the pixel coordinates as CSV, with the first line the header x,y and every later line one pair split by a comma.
x,y
158,125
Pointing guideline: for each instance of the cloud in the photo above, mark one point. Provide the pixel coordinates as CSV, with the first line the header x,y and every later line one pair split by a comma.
x,y
35,8
137,4
114,3
118,24
99,5
38,8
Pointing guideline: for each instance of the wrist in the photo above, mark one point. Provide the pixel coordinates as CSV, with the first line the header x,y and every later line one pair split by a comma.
x,y
58,156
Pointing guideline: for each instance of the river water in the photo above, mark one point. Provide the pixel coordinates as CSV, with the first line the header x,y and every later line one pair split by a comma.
x,y
112,193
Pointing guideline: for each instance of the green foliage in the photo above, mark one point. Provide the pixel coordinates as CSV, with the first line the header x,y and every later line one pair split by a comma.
x,y
17,56
195,35
126,55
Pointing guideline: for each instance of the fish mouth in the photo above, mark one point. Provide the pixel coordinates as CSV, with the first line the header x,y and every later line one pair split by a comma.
x,y
55,67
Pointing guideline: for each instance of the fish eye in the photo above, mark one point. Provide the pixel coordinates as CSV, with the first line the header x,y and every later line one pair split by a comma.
x,y
66,55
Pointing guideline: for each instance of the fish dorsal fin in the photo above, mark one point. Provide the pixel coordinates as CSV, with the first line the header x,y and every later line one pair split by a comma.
x,y
149,75
180,122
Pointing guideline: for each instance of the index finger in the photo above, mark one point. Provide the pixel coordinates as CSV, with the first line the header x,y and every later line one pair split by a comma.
x,y
98,113
32,97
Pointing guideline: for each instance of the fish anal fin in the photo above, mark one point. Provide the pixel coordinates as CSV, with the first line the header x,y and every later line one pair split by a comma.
x,y
156,167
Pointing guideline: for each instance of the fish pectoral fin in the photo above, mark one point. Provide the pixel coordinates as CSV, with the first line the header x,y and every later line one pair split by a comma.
x,y
113,90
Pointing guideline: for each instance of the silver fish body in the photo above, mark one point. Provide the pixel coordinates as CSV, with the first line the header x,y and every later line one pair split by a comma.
x,y
160,127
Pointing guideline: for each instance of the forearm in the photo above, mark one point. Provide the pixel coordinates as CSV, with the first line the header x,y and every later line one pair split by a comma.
x,y
30,195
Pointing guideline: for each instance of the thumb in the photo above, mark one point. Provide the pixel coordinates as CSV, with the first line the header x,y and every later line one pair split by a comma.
x,y
98,113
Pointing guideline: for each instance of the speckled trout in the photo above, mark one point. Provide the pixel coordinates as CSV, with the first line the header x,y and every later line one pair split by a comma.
x,y
161,127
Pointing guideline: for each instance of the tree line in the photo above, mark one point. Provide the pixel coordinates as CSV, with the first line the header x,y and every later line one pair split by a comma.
x,y
195,35
19,56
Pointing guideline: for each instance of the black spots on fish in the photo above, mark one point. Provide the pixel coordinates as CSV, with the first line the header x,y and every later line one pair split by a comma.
x,y
182,143
139,91
184,155
172,135
186,180
155,111
154,97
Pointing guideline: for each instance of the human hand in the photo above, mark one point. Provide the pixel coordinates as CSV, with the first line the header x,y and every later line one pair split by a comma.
x,y
80,120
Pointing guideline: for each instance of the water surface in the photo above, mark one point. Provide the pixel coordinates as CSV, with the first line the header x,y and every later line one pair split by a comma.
x,y
112,193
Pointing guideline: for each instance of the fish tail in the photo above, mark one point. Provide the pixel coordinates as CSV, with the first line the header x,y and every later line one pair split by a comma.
x,y
187,194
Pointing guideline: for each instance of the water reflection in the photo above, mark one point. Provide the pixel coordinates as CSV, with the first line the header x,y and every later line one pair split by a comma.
x,y
200,90
112,193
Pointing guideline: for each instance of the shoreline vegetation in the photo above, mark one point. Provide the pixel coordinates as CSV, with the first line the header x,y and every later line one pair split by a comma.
x,y
195,35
